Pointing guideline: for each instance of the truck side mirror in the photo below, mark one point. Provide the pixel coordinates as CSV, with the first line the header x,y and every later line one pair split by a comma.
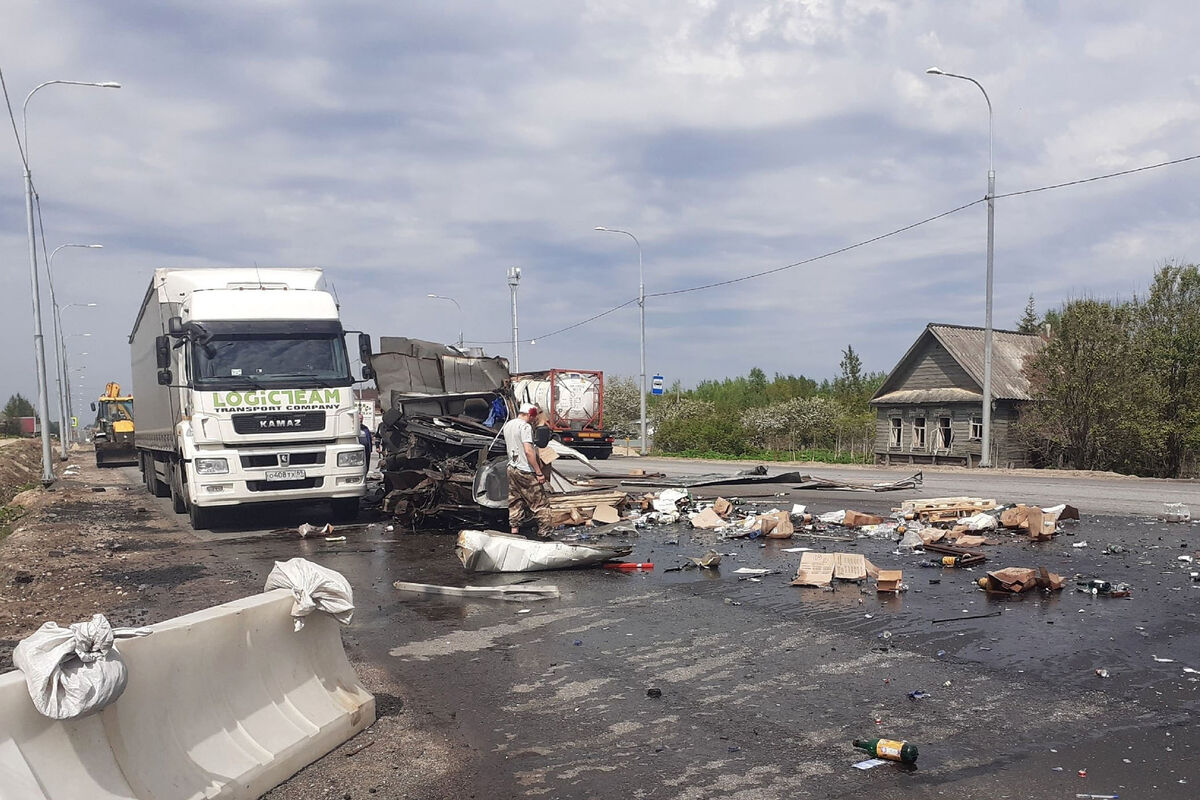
x,y
364,355
175,326
162,350
93,406
164,377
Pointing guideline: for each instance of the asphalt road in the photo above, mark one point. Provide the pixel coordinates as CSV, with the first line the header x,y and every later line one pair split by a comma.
x,y
764,685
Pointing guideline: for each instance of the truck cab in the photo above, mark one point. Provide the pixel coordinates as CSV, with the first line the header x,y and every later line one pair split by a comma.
x,y
253,400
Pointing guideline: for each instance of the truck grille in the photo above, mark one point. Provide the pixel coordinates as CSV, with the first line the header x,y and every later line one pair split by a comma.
x,y
298,422
273,486
265,460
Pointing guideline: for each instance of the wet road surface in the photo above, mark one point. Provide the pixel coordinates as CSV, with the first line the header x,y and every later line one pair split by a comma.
x,y
764,685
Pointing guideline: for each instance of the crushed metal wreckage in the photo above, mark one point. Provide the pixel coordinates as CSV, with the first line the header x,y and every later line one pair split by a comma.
x,y
444,458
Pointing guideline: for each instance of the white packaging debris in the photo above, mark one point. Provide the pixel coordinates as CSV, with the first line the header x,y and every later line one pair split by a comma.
x,y
315,588
667,501
833,517
979,522
75,671
798,509
490,551
910,541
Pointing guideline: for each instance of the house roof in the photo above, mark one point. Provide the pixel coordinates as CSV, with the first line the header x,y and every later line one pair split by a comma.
x,y
965,346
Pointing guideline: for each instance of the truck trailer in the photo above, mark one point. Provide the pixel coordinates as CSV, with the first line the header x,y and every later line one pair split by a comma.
x,y
573,401
244,391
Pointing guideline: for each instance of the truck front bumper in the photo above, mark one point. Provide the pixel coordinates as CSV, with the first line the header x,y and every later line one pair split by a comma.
x,y
266,476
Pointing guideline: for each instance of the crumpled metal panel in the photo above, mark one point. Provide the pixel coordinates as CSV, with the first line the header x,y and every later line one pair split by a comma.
x,y
406,367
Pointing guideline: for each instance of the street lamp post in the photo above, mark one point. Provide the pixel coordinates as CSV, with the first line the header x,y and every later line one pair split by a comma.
x,y
60,352
460,319
642,307
67,375
39,353
985,458
514,280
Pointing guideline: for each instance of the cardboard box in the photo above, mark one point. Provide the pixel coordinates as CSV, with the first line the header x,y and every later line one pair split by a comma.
x,y
816,569
889,580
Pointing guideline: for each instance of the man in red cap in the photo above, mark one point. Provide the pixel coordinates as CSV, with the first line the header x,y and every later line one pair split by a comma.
x,y
526,474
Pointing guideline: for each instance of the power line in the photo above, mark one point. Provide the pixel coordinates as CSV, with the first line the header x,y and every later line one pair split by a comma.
x,y
859,244
1101,177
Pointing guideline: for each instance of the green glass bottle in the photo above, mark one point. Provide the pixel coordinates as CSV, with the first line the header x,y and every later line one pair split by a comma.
x,y
890,749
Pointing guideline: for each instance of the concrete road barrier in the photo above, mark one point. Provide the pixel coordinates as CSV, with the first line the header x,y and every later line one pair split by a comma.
x,y
224,703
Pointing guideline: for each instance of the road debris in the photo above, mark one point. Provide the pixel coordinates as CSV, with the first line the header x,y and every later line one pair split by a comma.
x,y
491,551
308,529
517,591
1016,580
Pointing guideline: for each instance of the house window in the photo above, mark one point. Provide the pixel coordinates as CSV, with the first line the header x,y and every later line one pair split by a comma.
x,y
944,434
897,433
918,437
976,429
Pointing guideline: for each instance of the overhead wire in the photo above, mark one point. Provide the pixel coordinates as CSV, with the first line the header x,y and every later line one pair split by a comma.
x,y
13,119
856,245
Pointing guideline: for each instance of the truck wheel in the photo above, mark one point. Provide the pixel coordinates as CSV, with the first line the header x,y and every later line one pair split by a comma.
x,y
157,488
178,499
345,509
202,518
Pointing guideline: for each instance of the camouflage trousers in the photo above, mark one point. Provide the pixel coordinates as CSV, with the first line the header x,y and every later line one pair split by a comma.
x,y
527,499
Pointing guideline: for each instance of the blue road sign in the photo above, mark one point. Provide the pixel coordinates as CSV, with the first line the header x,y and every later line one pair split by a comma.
x,y
656,384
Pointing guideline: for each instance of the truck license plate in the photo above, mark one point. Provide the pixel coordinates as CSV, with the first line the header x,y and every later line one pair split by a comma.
x,y
285,475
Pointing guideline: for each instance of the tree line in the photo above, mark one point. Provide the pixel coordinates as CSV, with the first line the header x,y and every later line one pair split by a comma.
x,y
1117,386
751,416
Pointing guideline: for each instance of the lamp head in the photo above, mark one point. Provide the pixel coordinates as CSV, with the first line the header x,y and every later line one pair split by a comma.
x,y
109,85
934,71
600,228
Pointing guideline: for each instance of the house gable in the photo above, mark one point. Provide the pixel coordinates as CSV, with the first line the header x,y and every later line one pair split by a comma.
x,y
928,365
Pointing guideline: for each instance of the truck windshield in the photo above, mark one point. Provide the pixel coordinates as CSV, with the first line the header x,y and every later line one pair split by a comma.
x,y
115,410
234,361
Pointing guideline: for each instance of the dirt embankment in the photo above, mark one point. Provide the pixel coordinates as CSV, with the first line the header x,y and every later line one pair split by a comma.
x,y
91,544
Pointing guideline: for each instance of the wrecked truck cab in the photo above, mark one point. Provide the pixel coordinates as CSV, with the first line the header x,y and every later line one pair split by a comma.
x,y
443,452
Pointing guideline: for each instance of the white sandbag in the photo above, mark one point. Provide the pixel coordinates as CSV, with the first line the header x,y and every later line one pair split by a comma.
x,y
979,522
314,588
76,671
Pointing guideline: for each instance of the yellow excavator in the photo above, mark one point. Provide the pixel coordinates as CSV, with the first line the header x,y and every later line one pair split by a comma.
x,y
114,428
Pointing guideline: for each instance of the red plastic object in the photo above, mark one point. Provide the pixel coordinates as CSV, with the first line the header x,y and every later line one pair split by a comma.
x,y
628,565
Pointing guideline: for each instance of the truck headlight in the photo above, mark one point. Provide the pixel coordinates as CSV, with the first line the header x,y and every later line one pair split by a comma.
x,y
351,458
211,466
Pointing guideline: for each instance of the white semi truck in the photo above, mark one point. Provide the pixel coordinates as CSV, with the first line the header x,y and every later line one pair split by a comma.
x,y
244,391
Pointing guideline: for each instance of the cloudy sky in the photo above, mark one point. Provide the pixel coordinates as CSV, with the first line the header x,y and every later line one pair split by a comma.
x,y
424,147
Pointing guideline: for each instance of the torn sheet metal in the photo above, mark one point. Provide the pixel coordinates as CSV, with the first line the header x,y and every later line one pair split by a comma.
x,y
817,482
406,366
491,551
519,591
799,480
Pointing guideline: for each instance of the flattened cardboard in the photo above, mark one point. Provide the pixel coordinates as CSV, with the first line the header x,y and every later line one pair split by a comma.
x,y
777,525
606,514
707,520
816,569
850,567
722,507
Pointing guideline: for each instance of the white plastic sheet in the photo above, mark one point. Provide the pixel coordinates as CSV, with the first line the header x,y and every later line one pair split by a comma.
x,y
75,671
315,588
979,522
491,551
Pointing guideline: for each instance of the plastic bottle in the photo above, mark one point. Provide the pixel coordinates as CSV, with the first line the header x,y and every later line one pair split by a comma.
x,y
891,749
1094,586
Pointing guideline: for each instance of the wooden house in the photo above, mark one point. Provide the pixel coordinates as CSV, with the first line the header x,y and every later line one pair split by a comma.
x,y
930,408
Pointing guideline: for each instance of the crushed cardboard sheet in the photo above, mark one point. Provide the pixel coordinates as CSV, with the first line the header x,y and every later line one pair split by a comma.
x,y
819,569
1021,579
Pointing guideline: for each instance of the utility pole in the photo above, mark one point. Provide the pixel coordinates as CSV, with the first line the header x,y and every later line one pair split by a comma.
x,y
514,280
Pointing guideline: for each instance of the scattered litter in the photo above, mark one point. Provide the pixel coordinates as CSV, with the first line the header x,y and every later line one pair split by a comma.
x,y
889,580
335,538
707,519
833,517
1176,512
306,529
965,616
491,551
750,571
605,514
1021,579
1163,660
870,763
520,591
979,522
356,750
919,694
1096,586
629,565
710,560
653,692
795,550
1078,545
1102,673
